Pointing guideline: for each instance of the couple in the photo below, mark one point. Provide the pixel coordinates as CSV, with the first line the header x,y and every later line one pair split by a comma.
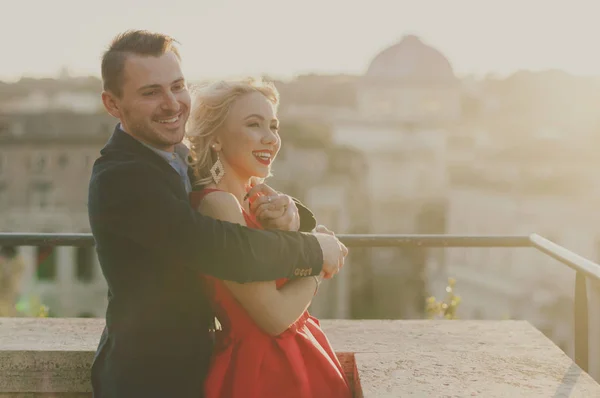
x,y
185,233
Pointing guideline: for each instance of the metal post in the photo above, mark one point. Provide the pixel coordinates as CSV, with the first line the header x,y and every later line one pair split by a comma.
x,y
594,328
581,321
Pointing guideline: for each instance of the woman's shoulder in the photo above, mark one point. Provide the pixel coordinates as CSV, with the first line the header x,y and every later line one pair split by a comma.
x,y
210,196
217,204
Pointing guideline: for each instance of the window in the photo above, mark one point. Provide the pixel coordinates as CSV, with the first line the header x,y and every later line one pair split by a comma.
x,y
38,163
40,194
8,252
63,160
85,264
46,263
3,196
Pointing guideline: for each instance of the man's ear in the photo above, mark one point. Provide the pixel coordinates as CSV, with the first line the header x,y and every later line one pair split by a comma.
x,y
111,104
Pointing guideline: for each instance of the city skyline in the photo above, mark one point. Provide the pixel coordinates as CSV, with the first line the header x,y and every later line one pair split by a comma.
x,y
283,39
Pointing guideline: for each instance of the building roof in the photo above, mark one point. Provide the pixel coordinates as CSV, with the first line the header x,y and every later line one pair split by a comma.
x,y
64,127
411,60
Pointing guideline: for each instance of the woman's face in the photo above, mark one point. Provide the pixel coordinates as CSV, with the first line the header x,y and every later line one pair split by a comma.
x,y
249,139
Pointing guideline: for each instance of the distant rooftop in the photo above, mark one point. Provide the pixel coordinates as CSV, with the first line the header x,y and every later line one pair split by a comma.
x,y
56,127
411,60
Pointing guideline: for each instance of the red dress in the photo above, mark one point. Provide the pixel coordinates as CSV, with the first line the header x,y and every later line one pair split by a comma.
x,y
249,363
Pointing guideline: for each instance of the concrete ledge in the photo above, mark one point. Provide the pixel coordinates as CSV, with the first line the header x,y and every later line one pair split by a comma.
x,y
458,359
51,358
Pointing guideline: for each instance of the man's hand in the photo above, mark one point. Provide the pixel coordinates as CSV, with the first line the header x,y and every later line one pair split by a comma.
x,y
334,251
323,229
272,209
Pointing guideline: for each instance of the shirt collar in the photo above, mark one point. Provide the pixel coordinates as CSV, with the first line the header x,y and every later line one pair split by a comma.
x,y
181,150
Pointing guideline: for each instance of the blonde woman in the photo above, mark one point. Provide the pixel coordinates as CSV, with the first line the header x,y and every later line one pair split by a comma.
x,y
270,346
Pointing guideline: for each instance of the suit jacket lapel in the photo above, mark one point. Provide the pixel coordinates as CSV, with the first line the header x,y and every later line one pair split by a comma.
x,y
121,141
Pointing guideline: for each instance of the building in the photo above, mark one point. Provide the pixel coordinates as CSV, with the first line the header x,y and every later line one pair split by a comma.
x,y
45,165
398,122
331,181
537,185
410,83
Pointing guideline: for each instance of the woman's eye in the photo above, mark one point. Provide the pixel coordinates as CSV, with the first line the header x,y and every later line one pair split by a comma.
x,y
254,124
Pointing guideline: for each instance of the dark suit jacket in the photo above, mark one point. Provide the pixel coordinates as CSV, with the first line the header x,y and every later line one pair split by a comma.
x,y
152,246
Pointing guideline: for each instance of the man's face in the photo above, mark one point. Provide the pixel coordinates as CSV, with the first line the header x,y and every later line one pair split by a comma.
x,y
155,103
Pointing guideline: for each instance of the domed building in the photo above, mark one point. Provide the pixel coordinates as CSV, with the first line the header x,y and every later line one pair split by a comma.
x,y
410,82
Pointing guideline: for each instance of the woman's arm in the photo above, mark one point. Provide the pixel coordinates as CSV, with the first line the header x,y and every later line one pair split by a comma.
x,y
274,310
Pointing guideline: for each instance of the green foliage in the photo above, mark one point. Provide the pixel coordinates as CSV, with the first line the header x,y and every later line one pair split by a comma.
x,y
445,309
32,307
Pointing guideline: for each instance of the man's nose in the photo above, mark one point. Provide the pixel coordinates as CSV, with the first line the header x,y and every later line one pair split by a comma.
x,y
170,102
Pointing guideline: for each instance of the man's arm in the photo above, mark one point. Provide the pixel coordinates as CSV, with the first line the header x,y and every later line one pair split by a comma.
x,y
129,201
308,222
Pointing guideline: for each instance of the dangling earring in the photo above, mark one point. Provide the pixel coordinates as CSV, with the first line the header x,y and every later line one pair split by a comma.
x,y
217,171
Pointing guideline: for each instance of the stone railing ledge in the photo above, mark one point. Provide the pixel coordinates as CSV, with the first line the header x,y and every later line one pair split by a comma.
x,y
51,358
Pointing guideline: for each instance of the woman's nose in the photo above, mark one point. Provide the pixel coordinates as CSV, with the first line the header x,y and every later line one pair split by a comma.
x,y
270,138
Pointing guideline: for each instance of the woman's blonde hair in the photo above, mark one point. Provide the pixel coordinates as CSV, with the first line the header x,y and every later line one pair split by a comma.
x,y
211,105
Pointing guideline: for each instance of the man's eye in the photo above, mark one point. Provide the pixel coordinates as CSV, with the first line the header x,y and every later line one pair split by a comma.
x,y
149,93
254,124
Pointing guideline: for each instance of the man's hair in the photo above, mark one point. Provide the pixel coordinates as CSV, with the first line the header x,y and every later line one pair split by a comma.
x,y
140,42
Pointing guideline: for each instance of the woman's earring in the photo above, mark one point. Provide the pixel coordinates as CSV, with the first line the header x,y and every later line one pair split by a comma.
x,y
217,171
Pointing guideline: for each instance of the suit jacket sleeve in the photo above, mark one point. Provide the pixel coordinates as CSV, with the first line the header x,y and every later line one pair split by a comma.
x,y
130,201
308,221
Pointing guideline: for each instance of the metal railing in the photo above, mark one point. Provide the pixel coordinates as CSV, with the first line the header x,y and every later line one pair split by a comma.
x,y
586,271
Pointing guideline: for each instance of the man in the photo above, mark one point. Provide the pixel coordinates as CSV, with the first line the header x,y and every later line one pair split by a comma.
x,y
152,245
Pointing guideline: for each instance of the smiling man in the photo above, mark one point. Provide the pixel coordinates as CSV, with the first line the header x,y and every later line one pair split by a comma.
x,y
152,245
152,107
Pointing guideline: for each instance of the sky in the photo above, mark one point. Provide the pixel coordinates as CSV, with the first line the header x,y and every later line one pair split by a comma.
x,y
283,38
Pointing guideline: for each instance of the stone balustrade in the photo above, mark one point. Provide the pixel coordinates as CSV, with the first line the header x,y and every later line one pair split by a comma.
x,y
42,358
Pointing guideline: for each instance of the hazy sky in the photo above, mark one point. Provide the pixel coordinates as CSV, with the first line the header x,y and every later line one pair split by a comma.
x,y
283,37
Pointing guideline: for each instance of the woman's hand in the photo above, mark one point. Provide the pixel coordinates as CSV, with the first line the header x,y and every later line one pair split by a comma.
x,y
273,209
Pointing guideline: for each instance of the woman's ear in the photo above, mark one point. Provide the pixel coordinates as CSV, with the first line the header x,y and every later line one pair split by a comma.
x,y
216,145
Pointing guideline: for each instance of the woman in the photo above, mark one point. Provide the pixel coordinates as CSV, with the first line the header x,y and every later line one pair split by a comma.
x,y
269,345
